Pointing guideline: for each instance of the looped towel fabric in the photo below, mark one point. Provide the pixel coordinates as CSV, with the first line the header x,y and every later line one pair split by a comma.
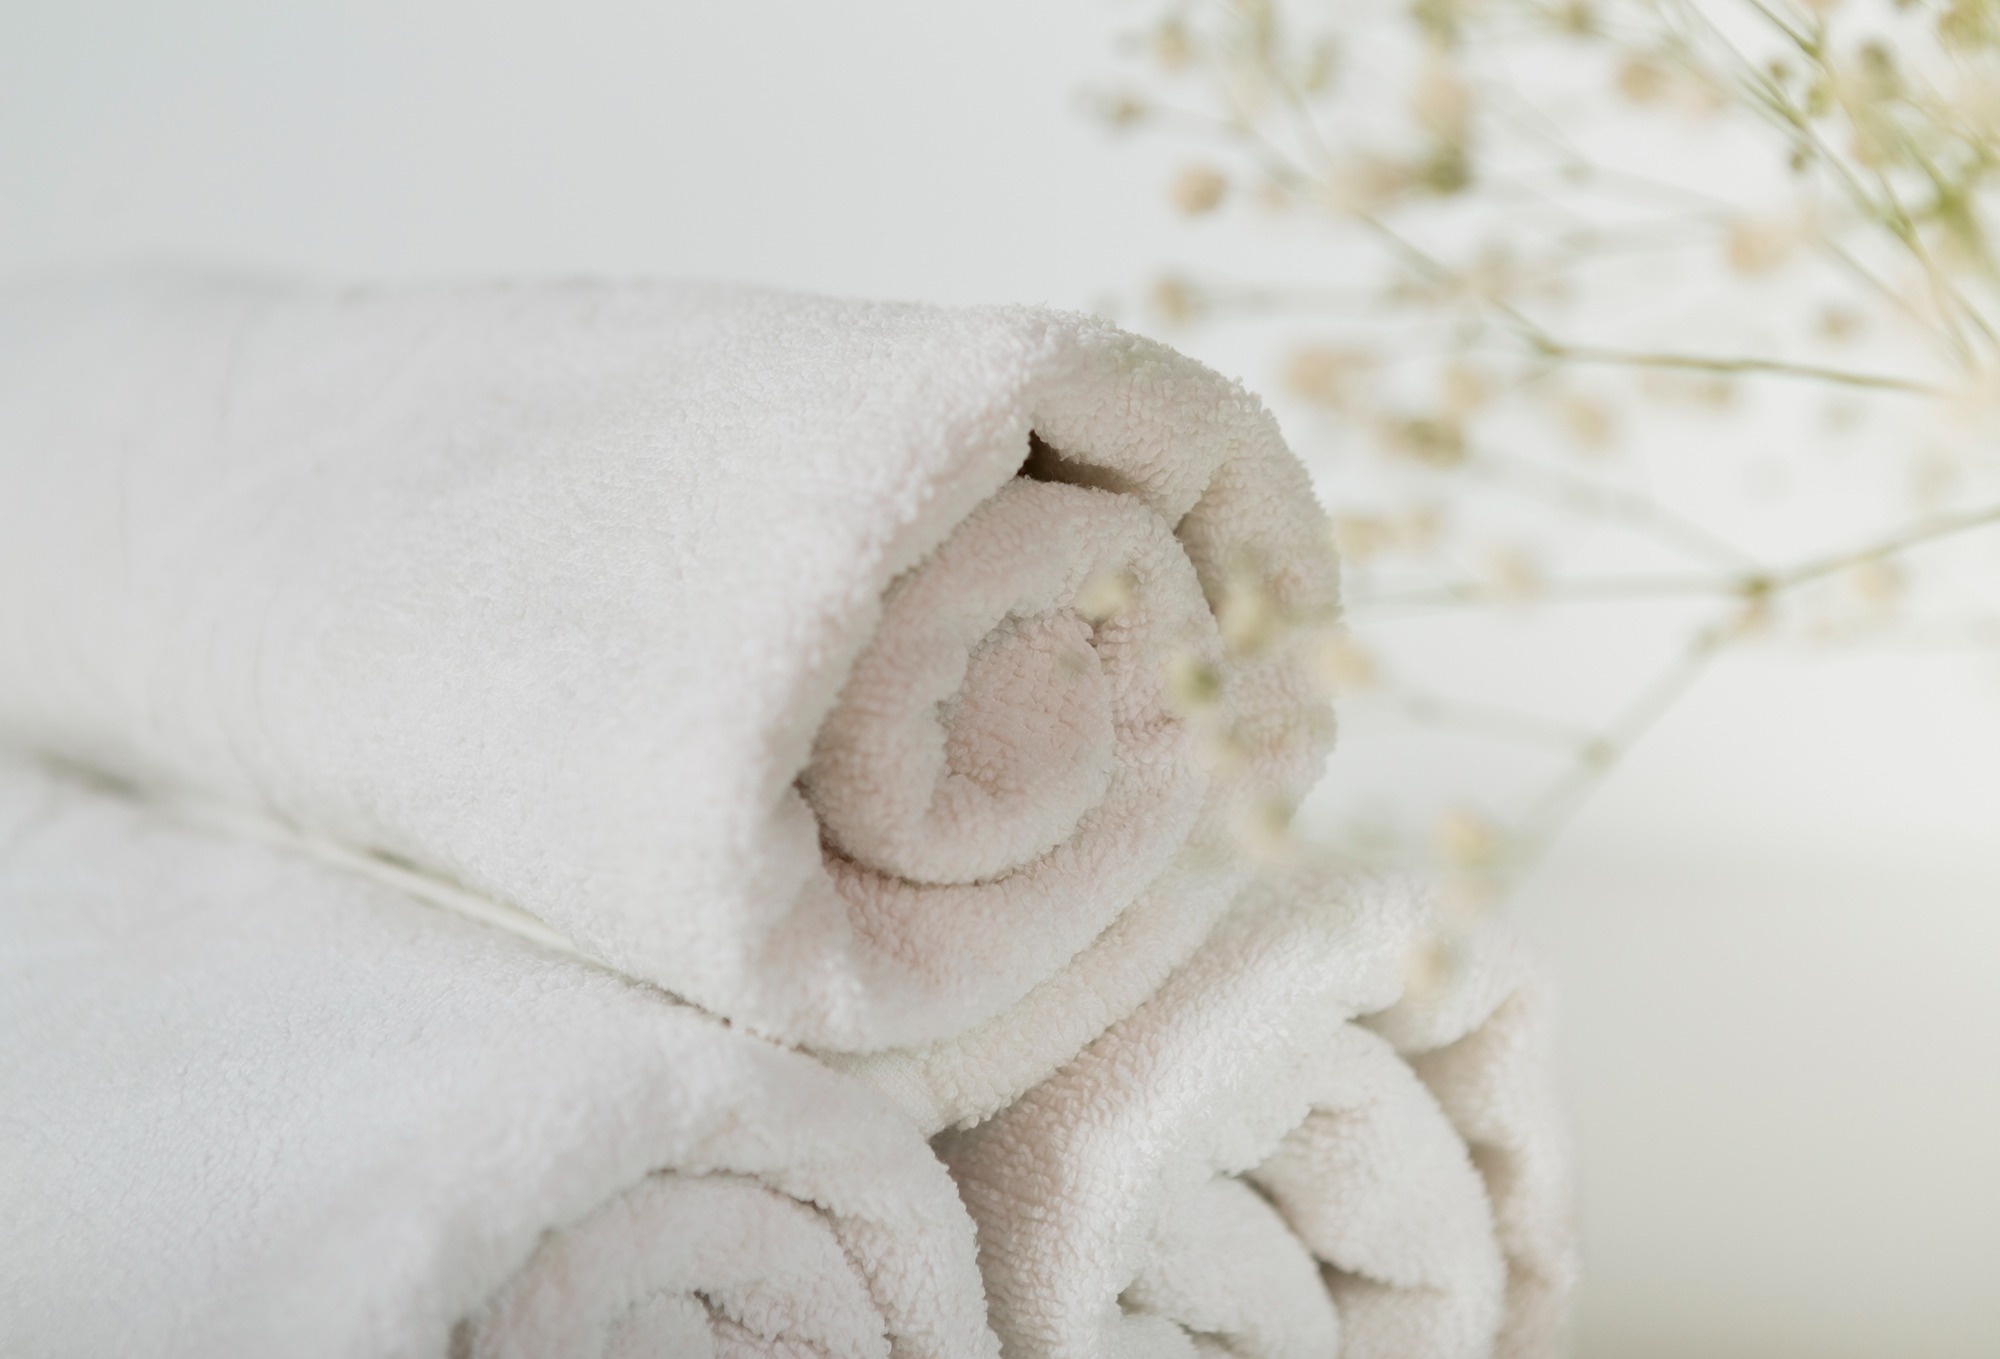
x,y
1241,1168
848,669
258,1106
850,713
1479,1031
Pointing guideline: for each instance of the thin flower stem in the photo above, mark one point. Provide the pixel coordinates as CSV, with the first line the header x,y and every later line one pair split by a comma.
x,y
1286,299
1559,802
1577,590
1536,832
1748,585
1302,118
1947,298
1735,365
1852,264
1582,495
1272,159
1895,223
1548,346
1807,46
1916,535
1537,124
1485,719
1764,94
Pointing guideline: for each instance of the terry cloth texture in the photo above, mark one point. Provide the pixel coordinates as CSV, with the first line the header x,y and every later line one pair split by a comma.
x,y
1477,1026
257,1107
851,670
1240,1168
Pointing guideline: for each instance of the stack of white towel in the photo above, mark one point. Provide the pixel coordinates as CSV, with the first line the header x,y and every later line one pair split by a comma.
x,y
617,820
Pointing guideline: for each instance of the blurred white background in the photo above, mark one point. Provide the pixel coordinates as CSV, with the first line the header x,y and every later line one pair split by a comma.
x,y
1776,933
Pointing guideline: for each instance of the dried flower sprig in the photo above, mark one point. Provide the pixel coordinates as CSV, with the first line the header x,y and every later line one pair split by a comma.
x,y
1518,259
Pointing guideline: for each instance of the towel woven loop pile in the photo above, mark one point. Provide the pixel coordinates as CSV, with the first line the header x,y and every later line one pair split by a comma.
x,y
868,701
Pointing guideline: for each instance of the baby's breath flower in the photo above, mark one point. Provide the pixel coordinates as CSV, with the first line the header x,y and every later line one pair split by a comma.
x,y
1363,536
1877,583
1104,596
1326,374
1493,276
1577,18
1587,420
1871,146
1177,300
1223,750
1966,25
1430,966
1122,109
1198,189
1434,441
1839,323
1346,666
1274,197
1439,20
1441,103
1509,269
1419,527
1194,687
1757,246
1322,65
1466,388
1370,183
1446,170
1465,895
1468,839
1876,79
1263,829
1755,617
1643,80
1698,94
1247,616
1512,575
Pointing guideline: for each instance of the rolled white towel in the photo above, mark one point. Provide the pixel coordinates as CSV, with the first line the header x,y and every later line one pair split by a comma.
x,y
255,1106
1237,1168
847,669
1477,1027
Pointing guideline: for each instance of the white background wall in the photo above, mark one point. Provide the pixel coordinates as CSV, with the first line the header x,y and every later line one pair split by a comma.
x,y
1778,932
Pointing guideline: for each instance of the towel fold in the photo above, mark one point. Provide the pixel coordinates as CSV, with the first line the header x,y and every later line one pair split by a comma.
x,y
851,670
255,1106
1477,1027
1239,1168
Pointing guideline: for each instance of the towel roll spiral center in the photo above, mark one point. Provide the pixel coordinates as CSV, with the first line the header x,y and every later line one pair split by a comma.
x,y
1015,690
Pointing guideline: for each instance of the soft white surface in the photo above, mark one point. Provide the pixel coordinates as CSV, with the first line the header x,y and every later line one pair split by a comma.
x,y
1477,1026
883,148
1237,1168
557,590
1801,1166
256,1106
905,148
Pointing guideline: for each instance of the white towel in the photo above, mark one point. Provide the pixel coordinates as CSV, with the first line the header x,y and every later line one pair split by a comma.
x,y
253,1106
1476,1024
850,670
1239,1168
